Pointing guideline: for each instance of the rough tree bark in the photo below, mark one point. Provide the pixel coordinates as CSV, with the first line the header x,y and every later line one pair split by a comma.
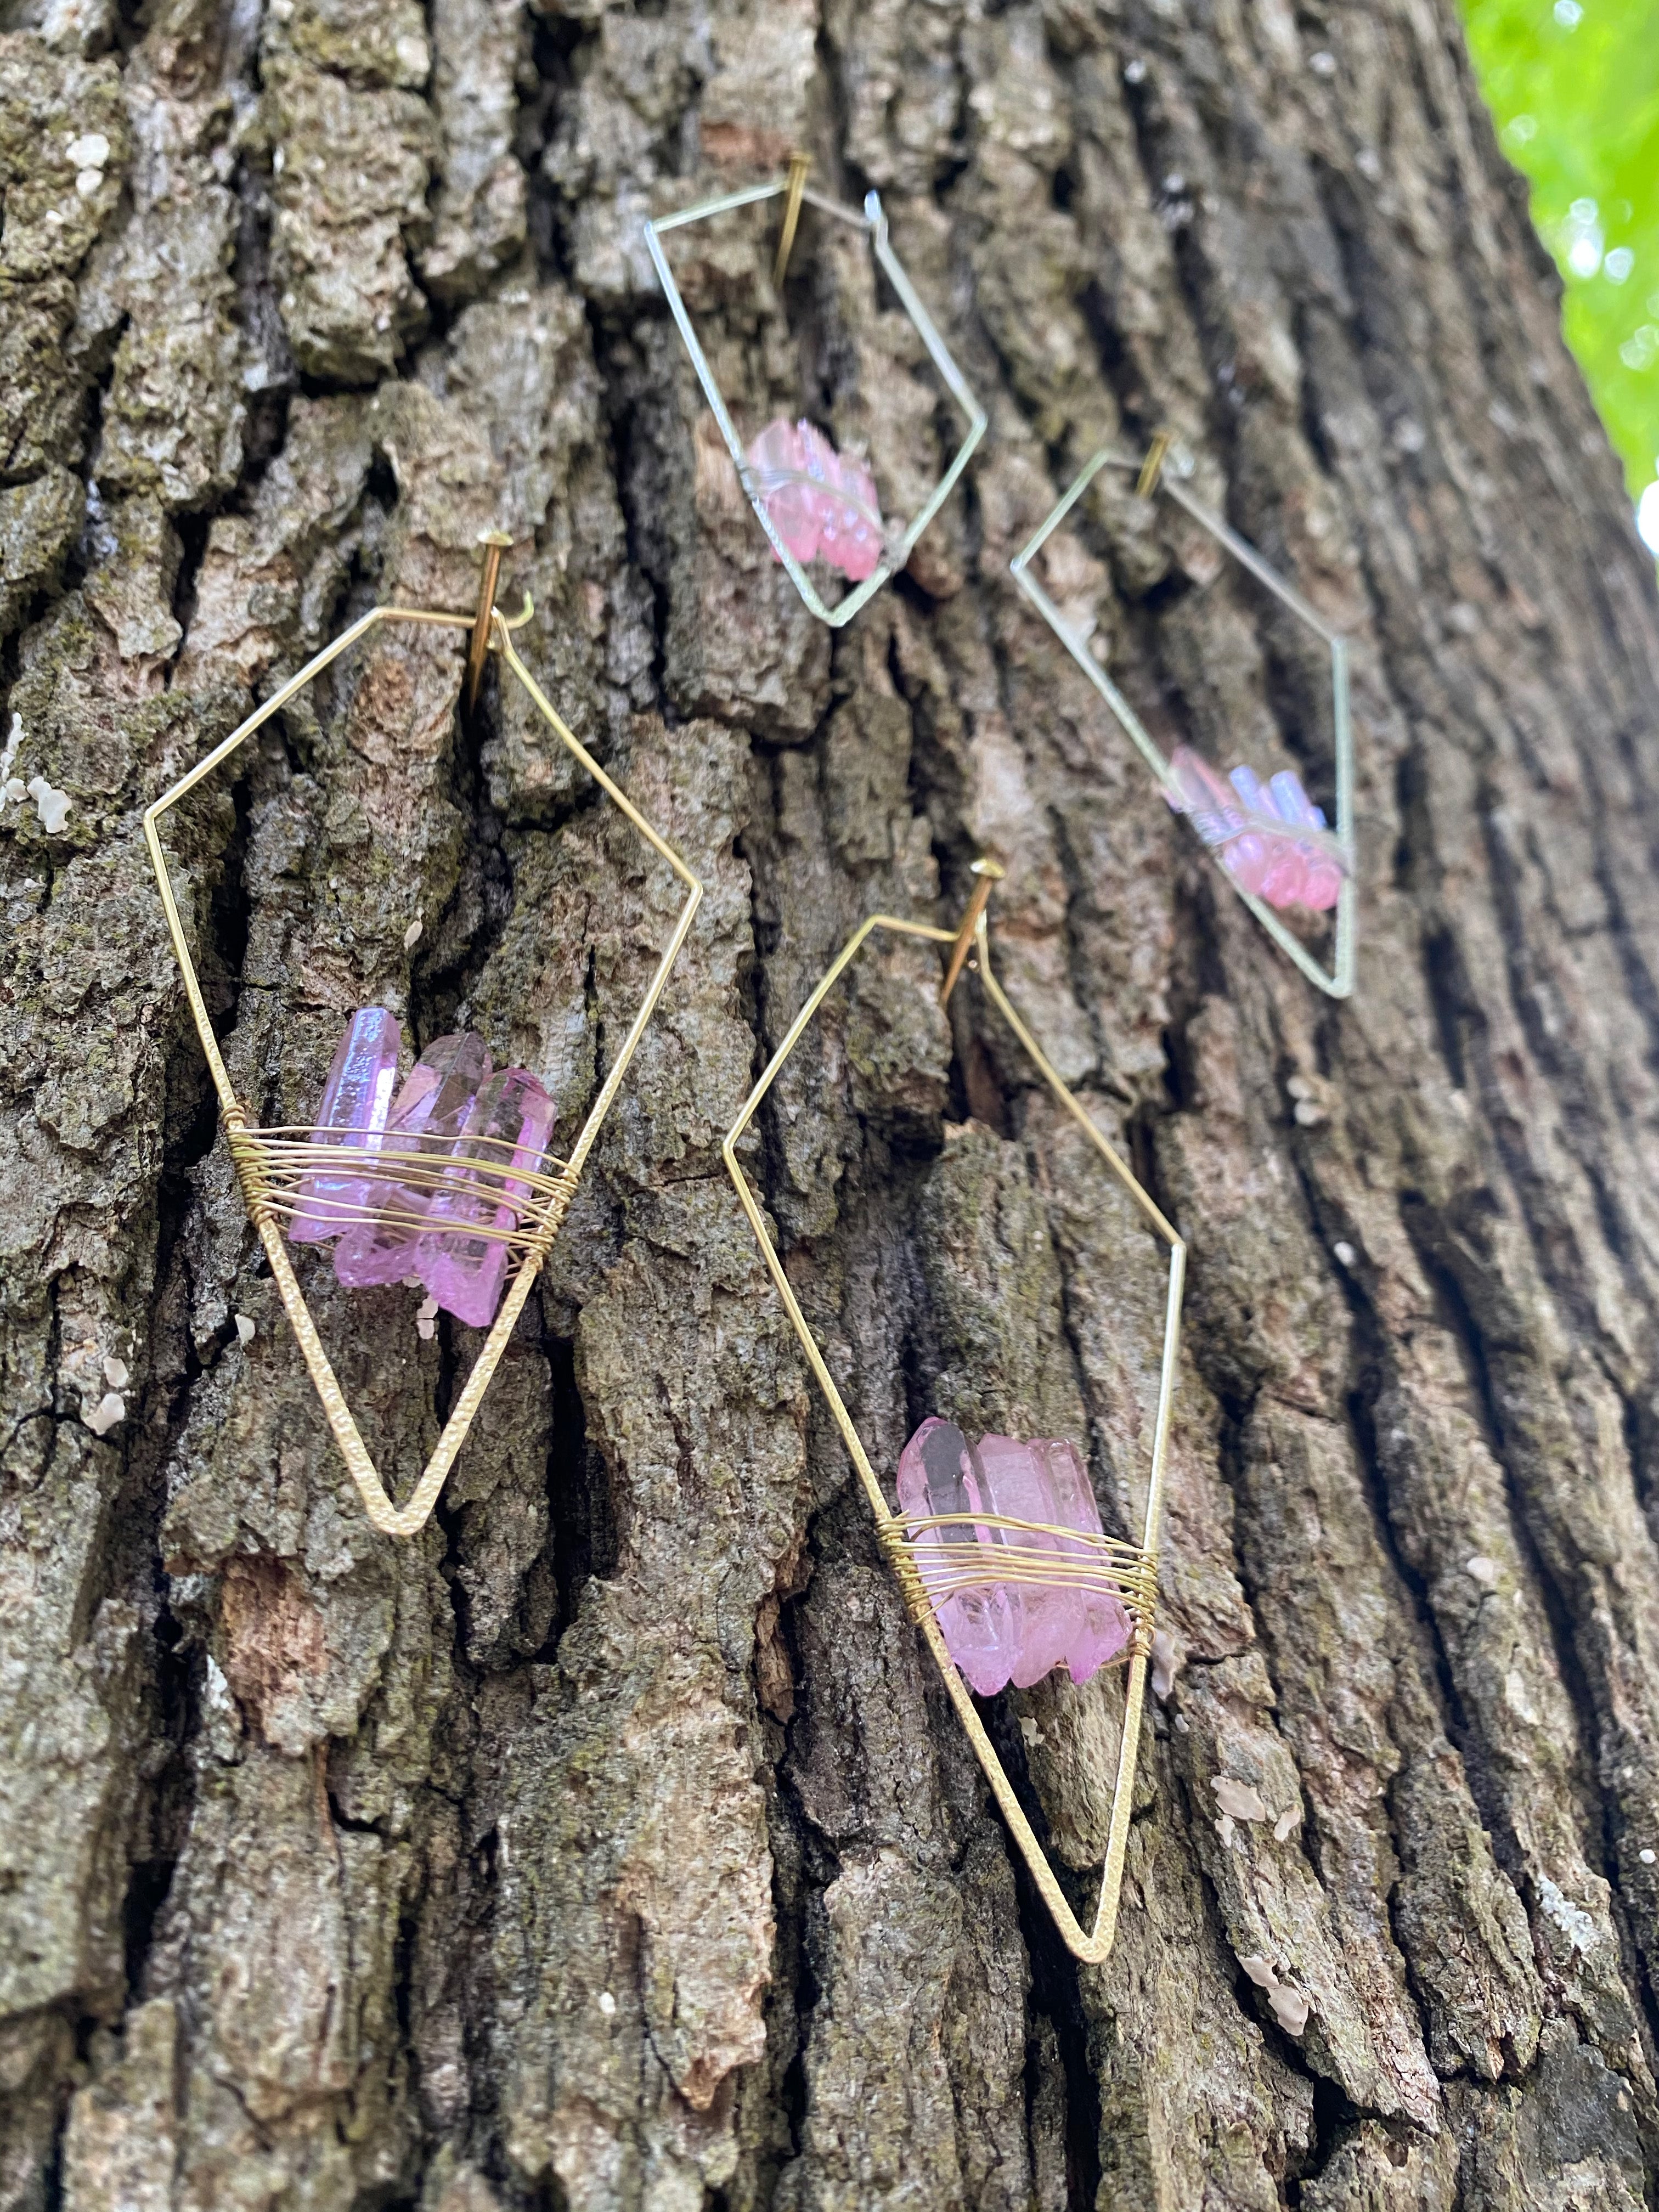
x,y
610,1844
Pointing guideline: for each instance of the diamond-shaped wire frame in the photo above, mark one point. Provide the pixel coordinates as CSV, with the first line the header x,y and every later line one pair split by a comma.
x,y
256,1155
873,223
1337,982
1139,1584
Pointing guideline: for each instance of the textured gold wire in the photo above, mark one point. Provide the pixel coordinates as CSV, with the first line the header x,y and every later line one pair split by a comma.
x,y
1130,1570
795,192
270,1163
1165,466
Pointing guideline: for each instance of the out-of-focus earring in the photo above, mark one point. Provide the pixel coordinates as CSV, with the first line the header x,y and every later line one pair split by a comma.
x,y
995,1542
814,503
448,1183
1272,842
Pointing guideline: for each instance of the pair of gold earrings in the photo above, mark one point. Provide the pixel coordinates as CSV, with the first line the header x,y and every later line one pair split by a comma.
x,y
940,1559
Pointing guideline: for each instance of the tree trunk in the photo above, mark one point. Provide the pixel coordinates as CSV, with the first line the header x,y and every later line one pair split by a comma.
x,y
612,1844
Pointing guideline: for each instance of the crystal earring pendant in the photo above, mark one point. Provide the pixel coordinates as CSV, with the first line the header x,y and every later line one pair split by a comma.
x,y
1271,843
478,1201
999,1591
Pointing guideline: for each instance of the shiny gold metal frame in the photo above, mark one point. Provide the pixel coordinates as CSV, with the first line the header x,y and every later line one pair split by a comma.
x,y
792,188
1133,1568
1163,468
268,1163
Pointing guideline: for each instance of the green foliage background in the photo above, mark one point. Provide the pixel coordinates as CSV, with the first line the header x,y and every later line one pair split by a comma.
x,y
1574,89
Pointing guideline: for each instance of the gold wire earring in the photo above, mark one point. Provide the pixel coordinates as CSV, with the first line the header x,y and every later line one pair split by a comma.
x,y
812,502
499,1195
1271,843
972,1555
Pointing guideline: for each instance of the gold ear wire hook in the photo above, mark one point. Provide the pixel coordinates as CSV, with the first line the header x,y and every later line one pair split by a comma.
x,y
1152,467
989,876
798,165
495,543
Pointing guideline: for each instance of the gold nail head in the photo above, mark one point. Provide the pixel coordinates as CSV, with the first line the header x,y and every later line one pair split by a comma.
x,y
987,876
798,165
1152,467
495,543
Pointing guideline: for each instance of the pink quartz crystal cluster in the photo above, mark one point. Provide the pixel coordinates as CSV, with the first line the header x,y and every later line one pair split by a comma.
x,y
1272,841
1001,1631
823,504
475,1131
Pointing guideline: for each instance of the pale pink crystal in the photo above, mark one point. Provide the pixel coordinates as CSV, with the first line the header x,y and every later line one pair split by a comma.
x,y
1273,841
430,1113
823,504
356,1101
506,1132
999,1631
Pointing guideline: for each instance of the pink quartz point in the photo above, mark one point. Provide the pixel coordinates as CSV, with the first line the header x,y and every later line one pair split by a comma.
x,y
1273,841
823,504
1001,1631
356,1099
429,1114
506,1131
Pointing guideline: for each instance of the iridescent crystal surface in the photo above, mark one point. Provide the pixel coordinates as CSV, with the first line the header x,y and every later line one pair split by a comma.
x,y
1006,1629
1272,839
823,504
506,1132
356,1099
456,1145
430,1113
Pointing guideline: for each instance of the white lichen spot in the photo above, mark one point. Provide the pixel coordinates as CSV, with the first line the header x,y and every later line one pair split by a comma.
x,y
1309,1115
1646,1858
1346,1254
1482,1570
219,1698
1517,1698
1239,1799
52,806
111,1408
1322,64
1167,1660
245,1328
89,151
413,58
1029,1730
1260,1969
607,2004
1285,1826
88,182
412,934
1225,1829
1290,2008
117,1373
426,1320
1571,1919
9,758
